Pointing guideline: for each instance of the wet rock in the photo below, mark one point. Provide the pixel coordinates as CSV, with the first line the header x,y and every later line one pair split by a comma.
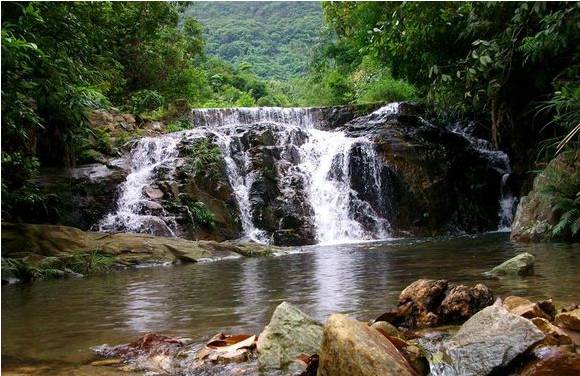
x,y
386,329
152,205
525,308
553,361
428,303
554,335
569,319
289,333
351,348
223,348
520,265
462,302
153,193
152,353
41,241
486,343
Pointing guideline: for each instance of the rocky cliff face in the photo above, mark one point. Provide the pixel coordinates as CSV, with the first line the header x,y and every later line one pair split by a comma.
x,y
290,177
535,220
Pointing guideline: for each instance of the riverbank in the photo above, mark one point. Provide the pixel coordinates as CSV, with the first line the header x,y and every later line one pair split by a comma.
x,y
31,251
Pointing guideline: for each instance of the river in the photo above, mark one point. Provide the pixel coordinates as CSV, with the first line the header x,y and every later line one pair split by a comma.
x,y
54,323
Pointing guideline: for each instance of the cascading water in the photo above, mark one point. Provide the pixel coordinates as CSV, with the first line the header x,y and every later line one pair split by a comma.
x,y
313,165
147,156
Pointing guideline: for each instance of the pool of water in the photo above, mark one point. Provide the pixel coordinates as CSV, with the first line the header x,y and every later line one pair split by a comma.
x,y
53,324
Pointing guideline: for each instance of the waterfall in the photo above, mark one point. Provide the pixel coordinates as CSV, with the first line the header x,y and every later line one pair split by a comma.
x,y
501,162
132,214
507,203
313,169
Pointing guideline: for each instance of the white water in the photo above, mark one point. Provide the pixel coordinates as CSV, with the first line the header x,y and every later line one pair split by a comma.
x,y
313,169
147,156
310,158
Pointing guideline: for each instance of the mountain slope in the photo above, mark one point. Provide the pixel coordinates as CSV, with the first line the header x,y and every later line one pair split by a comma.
x,y
274,37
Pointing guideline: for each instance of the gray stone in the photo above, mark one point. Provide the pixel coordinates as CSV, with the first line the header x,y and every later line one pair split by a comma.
x,y
289,333
521,264
153,193
488,341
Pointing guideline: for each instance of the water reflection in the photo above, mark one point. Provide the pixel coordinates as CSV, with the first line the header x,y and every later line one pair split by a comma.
x,y
61,320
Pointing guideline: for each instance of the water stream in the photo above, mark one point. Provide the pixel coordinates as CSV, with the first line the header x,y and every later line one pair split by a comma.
x,y
48,327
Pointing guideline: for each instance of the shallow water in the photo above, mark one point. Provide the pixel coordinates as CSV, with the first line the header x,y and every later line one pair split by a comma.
x,y
54,323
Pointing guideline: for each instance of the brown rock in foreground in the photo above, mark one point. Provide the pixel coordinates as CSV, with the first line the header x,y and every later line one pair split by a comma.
x,y
569,319
428,303
553,361
526,308
351,348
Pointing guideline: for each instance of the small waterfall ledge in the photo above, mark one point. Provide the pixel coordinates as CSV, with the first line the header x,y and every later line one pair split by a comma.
x,y
291,176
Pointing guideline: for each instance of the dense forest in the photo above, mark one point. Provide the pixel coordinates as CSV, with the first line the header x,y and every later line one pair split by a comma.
x,y
274,38
510,68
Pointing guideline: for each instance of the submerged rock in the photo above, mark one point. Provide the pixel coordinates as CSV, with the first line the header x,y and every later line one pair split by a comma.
x,y
486,343
522,264
351,348
290,333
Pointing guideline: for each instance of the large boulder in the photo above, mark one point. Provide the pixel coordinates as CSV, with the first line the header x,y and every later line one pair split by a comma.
x,y
435,193
428,303
486,343
352,348
290,333
534,219
519,265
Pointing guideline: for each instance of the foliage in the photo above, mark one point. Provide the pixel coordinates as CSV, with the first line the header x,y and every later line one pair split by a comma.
x,y
146,100
198,213
270,38
57,267
177,125
492,61
206,157
563,192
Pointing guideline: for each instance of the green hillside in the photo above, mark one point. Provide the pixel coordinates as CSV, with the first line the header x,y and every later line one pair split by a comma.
x,y
274,37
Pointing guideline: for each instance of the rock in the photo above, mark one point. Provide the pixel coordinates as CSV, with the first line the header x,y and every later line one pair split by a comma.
x,y
554,335
534,220
525,308
386,329
522,264
289,333
428,303
462,302
153,193
152,205
569,319
223,348
155,126
488,341
152,353
24,241
351,348
553,361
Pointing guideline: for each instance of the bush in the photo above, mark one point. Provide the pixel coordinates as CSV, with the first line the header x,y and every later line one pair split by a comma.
x,y
388,89
146,100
